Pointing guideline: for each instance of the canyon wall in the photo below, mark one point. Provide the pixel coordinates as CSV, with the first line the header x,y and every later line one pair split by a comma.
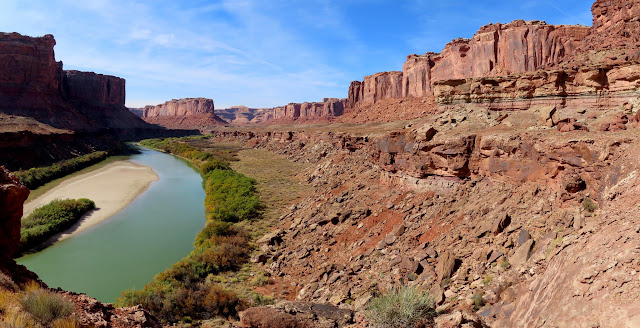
x,y
33,84
516,65
94,88
496,49
188,113
243,114
52,114
180,107
329,107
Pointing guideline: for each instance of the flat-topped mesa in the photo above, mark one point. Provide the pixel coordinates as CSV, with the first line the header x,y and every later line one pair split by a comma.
x,y
187,113
329,107
181,107
496,49
94,88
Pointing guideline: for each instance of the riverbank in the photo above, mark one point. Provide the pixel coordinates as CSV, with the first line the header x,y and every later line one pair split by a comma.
x,y
111,187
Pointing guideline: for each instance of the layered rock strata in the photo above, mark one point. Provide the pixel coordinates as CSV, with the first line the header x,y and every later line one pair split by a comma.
x,y
328,108
188,113
523,64
497,49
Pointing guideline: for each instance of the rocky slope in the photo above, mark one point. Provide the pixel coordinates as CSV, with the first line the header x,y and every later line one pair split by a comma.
x,y
506,215
188,113
80,111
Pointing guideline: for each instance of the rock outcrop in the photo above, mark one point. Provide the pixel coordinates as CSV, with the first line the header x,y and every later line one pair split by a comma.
x,y
12,197
328,108
187,113
244,115
95,88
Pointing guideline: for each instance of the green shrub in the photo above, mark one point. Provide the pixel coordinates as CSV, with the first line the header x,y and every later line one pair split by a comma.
x,y
588,205
403,307
51,219
214,228
261,279
230,196
46,306
38,176
478,300
214,164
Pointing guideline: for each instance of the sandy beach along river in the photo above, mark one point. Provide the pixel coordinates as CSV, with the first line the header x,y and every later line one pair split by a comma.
x,y
112,188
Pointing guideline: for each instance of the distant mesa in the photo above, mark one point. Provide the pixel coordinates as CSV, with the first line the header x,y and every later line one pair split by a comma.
x,y
187,113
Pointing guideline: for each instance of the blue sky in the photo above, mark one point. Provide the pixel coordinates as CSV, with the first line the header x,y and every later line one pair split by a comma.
x,y
259,53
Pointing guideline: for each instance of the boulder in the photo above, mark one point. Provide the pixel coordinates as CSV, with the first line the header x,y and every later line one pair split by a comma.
x,y
296,315
522,254
447,265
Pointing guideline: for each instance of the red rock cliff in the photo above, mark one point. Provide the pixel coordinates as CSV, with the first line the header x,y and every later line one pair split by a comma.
x,y
33,84
94,88
12,196
28,64
191,113
496,49
329,107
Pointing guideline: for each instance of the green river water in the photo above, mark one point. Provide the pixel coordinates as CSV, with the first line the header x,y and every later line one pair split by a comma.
x,y
156,230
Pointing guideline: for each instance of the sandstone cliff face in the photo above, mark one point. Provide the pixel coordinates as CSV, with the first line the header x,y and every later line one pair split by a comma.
x,y
180,107
329,107
496,49
28,63
33,84
244,115
188,113
94,88
587,87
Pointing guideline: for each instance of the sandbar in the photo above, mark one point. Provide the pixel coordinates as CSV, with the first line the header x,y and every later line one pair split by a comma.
x,y
112,188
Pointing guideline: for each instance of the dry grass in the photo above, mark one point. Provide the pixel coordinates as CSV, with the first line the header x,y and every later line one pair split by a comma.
x,y
278,186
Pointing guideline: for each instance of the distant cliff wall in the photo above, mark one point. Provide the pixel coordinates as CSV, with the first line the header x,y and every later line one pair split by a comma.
x,y
496,49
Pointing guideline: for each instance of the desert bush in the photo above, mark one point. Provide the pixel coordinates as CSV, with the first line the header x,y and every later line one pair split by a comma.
x,y
38,176
261,279
200,302
65,323
51,219
588,205
214,164
402,307
230,196
214,228
478,300
45,306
